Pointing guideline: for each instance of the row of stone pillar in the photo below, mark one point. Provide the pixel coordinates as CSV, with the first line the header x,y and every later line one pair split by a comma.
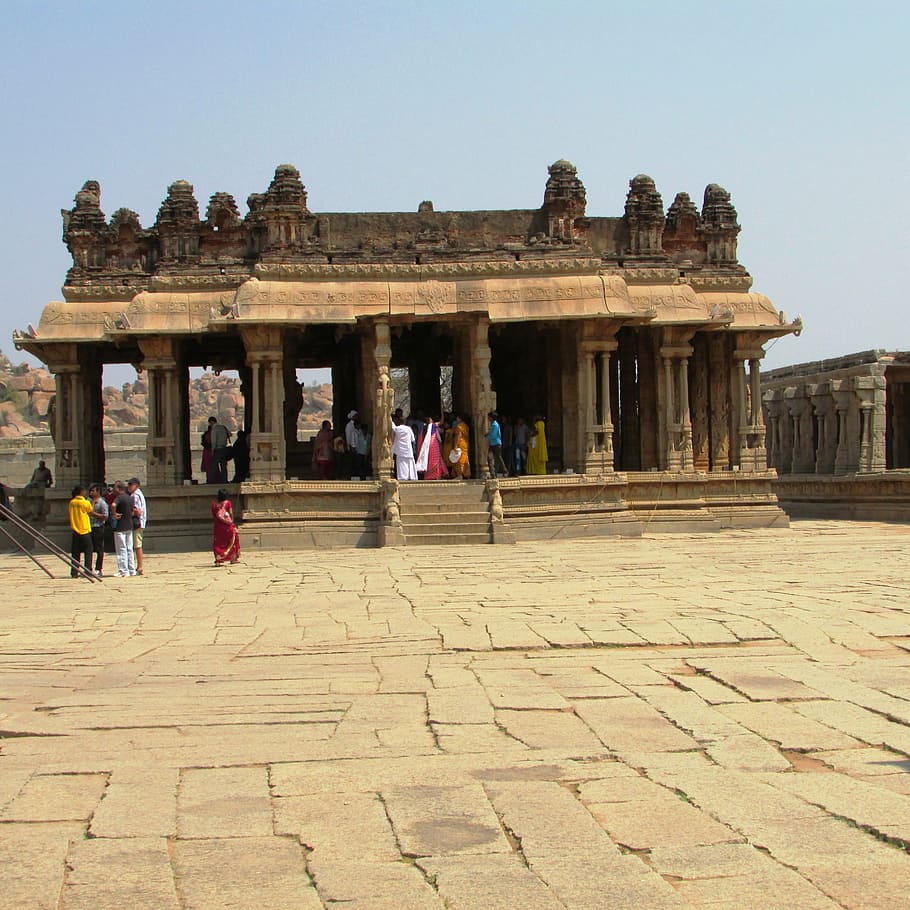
x,y
836,426
640,383
653,406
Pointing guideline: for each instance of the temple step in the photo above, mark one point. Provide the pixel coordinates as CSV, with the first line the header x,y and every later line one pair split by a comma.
x,y
441,512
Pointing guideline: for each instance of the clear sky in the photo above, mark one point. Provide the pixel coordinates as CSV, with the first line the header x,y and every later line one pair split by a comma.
x,y
799,108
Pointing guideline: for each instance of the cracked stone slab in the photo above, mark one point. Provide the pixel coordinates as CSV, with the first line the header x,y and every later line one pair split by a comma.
x,y
268,873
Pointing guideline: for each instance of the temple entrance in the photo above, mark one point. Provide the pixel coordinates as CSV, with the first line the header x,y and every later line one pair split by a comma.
x,y
526,368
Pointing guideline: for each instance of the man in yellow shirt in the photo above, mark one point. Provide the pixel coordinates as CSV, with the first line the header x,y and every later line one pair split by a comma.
x,y
81,526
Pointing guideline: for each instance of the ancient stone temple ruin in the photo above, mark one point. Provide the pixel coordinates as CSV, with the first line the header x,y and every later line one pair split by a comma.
x,y
839,435
636,337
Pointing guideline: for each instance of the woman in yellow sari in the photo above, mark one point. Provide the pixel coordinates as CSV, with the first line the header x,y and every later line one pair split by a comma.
x,y
537,448
459,462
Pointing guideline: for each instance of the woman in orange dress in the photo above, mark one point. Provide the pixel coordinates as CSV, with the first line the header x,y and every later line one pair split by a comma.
x,y
459,460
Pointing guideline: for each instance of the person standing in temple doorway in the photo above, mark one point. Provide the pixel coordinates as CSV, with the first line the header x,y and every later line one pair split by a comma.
x,y
521,435
350,444
221,439
140,518
241,453
494,437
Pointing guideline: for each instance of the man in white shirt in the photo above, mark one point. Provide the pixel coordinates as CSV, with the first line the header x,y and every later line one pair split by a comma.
x,y
403,449
350,444
140,518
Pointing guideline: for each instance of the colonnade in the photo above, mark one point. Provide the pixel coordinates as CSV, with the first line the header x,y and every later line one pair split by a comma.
x,y
828,426
668,398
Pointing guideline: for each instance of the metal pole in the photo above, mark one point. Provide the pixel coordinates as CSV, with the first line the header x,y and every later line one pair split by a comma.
x,y
21,546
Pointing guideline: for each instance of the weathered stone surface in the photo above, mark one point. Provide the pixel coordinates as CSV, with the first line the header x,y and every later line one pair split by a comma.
x,y
146,762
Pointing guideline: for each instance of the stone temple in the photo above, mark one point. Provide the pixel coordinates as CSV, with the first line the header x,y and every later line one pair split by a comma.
x,y
636,337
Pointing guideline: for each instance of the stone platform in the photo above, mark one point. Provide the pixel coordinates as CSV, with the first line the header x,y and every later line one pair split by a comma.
x,y
304,515
713,720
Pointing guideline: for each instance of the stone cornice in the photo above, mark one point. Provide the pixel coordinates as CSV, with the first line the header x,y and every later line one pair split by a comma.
x,y
588,265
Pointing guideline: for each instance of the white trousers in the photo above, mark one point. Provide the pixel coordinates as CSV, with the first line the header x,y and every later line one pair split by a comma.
x,y
123,545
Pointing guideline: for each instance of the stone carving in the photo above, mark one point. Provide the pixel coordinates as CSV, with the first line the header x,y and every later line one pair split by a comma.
x,y
564,202
719,226
497,513
279,220
391,503
178,223
645,217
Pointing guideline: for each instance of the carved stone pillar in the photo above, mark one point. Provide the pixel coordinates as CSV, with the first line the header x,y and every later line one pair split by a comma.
x,y
630,380
596,418
66,435
483,398
753,455
651,432
385,402
871,397
719,369
785,435
586,404
845,405
800,408
701,446
165,444
264,355
675,353
826,421
78,437
775,415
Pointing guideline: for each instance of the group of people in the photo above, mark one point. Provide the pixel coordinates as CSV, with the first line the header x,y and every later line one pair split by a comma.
x,y
123,507
438,450
217,451
344,457
517,448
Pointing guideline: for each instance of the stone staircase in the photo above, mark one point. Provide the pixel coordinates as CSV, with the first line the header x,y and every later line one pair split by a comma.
x,y
445,512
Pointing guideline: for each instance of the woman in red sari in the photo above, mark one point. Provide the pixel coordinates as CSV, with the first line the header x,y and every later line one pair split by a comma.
x,y
429,452
225,539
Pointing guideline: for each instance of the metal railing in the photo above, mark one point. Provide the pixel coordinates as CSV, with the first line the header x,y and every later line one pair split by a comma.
x,y
40,540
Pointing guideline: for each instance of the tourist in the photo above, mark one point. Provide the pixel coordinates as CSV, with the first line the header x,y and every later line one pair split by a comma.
x,y
225,539
122,519
429,452
324,452
403,450
206,465
350,445
100,515
537,448
494,437
520,438
140,519
221,440
41,478
80,511
240,451
459,460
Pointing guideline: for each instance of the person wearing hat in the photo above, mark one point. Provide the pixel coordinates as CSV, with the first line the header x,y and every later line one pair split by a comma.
x,y
140,517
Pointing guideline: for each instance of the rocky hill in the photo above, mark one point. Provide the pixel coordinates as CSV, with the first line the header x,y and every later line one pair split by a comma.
x,y
26,394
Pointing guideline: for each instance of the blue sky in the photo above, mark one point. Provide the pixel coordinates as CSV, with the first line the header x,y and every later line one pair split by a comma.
x,y
800,109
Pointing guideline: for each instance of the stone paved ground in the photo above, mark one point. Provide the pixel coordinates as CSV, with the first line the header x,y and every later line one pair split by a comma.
x,y
678,721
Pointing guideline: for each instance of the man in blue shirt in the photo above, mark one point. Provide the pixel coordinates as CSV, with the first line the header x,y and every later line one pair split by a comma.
x,y
494,437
